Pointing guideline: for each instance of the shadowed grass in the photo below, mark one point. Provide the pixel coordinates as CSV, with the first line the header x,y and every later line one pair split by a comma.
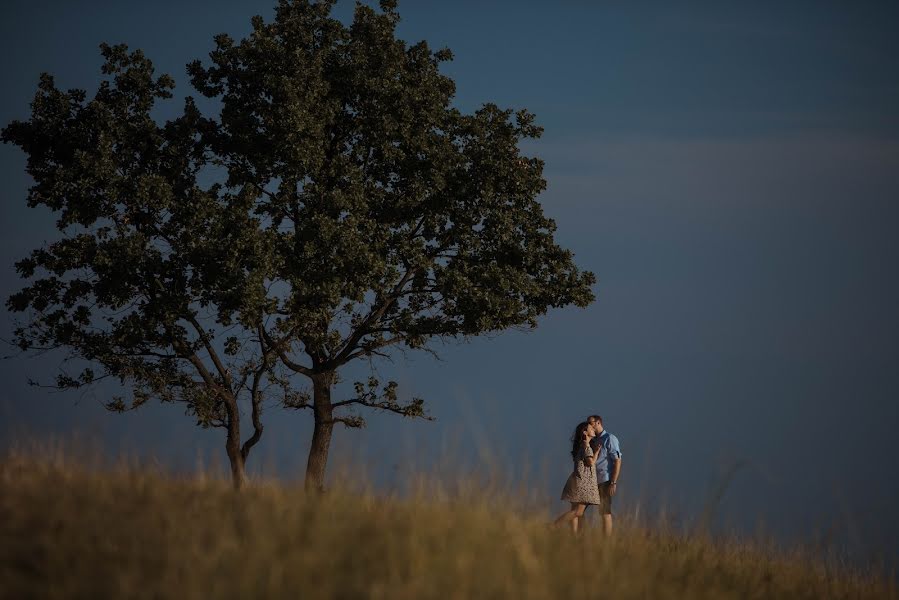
x,y
70,530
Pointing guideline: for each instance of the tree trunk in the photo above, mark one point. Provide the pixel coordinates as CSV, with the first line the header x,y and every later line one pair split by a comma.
x,y
321,434
232,447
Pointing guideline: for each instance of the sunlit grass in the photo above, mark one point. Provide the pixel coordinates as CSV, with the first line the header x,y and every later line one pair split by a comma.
x,y
73,528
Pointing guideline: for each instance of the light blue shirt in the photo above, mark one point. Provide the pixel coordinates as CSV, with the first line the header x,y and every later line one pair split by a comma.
x,y
607,451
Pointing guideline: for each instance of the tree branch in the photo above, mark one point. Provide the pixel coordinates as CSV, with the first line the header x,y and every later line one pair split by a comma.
x,y
256,414
352,422
407,410
367,350
223,372
256,399
277,347
373,317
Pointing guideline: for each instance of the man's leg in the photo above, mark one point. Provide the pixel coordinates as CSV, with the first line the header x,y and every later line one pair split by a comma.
x,y
607,524
605,508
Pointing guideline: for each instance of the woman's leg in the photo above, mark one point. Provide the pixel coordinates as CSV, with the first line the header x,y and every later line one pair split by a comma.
x,y
578,513
567,515
572,515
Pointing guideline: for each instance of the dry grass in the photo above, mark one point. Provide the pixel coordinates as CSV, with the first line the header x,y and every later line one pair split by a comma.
x,y
67,530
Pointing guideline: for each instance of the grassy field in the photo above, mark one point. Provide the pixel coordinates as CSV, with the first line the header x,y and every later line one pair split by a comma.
x,y
67,530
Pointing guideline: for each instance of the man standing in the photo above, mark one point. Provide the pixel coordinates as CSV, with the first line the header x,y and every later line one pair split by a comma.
x,y
608,468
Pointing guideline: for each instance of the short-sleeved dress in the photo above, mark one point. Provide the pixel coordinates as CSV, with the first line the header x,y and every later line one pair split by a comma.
x,y
581,487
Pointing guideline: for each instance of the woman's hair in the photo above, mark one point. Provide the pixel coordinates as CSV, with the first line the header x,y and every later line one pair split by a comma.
x,y
576,438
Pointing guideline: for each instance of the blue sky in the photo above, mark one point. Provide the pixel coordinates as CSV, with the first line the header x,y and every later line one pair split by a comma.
x,y
728,170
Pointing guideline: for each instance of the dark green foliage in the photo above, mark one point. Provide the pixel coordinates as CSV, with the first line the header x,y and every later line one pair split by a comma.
x,y
356,210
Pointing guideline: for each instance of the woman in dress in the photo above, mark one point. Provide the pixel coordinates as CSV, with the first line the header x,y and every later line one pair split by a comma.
x,y
581,488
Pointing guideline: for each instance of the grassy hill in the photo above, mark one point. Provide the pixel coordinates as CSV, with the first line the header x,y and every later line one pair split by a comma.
x,y
70,531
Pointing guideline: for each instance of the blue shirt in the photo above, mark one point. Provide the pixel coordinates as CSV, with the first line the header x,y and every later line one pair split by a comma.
x,y
605,446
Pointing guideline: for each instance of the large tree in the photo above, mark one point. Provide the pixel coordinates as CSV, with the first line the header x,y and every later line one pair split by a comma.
x,y
145,280
357,212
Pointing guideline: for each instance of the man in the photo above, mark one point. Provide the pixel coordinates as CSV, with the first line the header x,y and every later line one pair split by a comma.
x,y
608,468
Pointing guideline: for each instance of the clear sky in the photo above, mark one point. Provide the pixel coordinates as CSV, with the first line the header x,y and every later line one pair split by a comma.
x,y
730,171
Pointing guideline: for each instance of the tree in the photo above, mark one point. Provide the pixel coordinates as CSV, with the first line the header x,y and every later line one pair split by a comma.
x,y
147,265
361,213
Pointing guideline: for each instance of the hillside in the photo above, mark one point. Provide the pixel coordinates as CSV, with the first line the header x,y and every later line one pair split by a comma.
x,y
70,531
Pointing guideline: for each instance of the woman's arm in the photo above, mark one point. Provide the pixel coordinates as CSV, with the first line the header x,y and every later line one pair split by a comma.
x,y
589,457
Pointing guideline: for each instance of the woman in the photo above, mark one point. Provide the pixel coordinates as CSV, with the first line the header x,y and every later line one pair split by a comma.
x,y
581,488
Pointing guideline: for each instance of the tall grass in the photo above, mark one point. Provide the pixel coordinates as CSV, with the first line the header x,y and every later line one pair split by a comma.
x,y
73,528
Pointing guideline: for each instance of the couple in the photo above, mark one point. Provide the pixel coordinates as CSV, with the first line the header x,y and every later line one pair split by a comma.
x,y
597,464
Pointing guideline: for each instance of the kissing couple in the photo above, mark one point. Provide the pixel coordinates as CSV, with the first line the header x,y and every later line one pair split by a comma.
x,y
594,479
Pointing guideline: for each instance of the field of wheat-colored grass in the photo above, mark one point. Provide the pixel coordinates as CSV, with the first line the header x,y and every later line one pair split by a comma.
x,y
68,530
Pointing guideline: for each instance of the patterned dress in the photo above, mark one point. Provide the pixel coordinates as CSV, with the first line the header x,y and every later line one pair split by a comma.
x,y
581,487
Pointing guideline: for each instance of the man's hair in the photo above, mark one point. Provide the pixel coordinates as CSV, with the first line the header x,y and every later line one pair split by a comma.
x,y
595,418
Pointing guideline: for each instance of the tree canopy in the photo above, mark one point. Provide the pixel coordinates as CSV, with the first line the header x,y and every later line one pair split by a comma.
x,y
337,207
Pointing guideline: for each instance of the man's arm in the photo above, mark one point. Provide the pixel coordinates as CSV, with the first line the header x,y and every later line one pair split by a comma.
x,y
614,450
613,476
